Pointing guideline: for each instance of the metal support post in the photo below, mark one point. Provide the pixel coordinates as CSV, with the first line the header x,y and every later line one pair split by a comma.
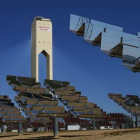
x,y
2,128
19,128
93,124
136,121
122,126
55,126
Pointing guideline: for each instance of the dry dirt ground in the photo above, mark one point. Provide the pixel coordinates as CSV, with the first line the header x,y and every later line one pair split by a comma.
x,y
117,134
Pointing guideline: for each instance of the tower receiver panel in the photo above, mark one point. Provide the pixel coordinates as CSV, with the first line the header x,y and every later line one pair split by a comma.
x,y
41,43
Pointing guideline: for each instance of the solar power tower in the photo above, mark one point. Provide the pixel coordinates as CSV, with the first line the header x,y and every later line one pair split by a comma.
x,y
41,43
112,40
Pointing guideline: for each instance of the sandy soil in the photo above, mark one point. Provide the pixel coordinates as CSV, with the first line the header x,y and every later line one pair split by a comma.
x,y
117,134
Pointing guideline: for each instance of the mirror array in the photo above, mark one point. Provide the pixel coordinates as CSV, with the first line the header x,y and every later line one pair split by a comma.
x,y
10,115
55,99
8,112
130,102
33,99
72,100
112,40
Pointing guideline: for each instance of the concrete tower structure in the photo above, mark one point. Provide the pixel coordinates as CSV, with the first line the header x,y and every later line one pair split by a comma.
x,y
41,43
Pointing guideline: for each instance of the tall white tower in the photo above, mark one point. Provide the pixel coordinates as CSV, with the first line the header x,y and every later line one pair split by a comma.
x,y
41,43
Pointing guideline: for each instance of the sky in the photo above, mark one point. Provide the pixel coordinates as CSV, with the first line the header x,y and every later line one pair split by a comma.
x,y
83,65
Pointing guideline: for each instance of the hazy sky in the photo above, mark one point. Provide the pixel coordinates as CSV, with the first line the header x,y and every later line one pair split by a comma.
x,y
85,66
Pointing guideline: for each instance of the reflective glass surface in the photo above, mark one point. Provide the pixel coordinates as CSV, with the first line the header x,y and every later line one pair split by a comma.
x,y
112,40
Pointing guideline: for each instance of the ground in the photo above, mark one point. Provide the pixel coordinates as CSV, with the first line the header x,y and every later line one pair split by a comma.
x,y
117,134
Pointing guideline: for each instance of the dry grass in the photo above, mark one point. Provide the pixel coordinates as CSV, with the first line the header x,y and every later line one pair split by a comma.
x,y
117,134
